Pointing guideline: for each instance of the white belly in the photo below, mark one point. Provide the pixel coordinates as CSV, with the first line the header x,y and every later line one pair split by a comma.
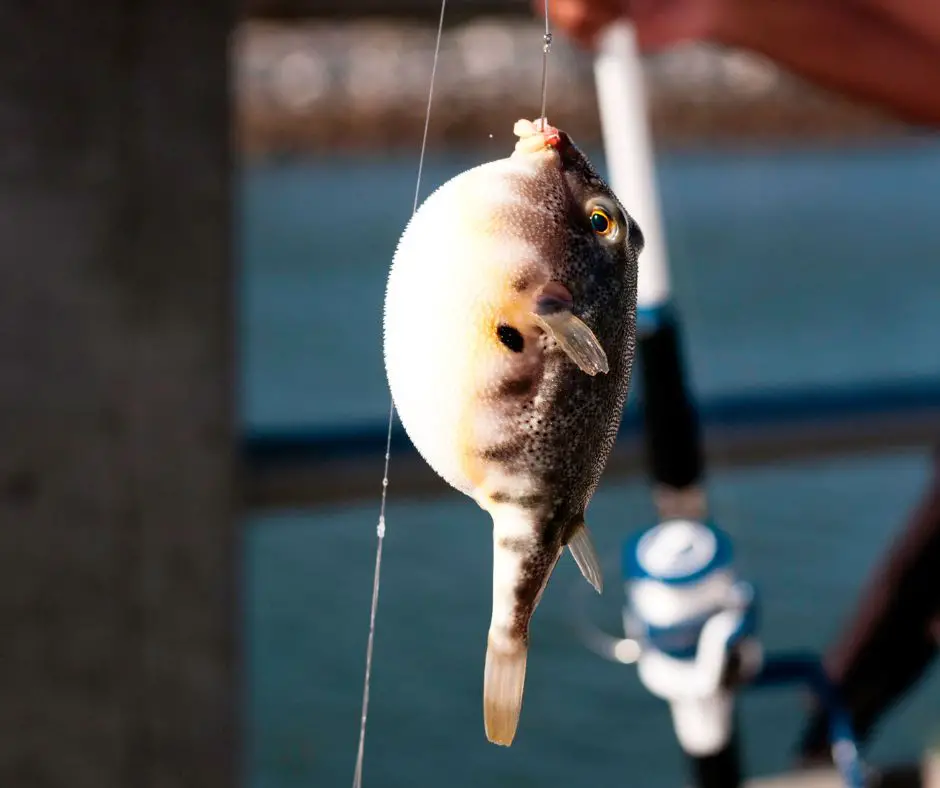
x,y
445,288
429,373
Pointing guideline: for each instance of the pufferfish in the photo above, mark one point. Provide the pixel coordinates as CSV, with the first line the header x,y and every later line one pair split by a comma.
x,y
509,336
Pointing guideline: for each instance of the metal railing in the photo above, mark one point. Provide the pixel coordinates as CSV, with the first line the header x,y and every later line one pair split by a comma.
x,y
307,467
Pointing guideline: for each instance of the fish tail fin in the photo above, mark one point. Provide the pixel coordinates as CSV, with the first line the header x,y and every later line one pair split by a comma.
x,y
503,685
585,556
522,566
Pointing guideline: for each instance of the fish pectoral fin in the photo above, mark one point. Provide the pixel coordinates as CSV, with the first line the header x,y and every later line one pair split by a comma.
x,y
576,339
585,556
553,313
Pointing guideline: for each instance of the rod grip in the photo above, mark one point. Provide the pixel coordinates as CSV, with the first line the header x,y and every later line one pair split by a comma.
x,y
719,770
672,432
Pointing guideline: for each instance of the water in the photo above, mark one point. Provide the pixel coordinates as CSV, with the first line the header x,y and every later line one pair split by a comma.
x,y
790,268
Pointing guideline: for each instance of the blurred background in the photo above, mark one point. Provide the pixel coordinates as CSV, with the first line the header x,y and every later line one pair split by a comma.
x,y
802,235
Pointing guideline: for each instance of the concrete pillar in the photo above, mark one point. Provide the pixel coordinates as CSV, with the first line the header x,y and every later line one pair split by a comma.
x,y
117,509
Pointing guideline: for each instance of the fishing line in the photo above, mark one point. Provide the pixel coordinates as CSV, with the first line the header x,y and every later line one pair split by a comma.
x,y
546,48
380,527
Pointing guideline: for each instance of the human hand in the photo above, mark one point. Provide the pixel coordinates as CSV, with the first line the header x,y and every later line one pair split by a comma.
x,y
659,24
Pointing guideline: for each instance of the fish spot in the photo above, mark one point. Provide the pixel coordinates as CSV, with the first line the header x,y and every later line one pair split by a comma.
x,y
502,452
516,387
510,337
521,283
515,544
524,501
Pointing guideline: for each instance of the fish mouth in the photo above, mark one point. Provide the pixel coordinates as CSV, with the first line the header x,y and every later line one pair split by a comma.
x,y
539,138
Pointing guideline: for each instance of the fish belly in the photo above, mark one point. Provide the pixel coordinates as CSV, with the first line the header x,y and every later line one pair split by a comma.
x,y
451,285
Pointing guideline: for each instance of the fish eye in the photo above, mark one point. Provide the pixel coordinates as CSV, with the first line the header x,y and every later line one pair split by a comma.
x,y
603,221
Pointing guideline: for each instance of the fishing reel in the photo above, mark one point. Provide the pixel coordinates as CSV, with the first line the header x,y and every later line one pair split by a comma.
x,y
695,625
691,627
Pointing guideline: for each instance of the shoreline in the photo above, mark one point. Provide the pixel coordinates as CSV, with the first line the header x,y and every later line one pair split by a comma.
x,y
319,86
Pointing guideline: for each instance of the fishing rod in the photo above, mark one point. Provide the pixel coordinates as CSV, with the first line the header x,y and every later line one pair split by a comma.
x,y
672,433
690,622
673,443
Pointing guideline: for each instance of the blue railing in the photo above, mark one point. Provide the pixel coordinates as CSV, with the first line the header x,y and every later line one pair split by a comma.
x,y
339,462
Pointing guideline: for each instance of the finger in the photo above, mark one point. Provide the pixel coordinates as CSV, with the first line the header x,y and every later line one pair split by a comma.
x,y
582,20
661,24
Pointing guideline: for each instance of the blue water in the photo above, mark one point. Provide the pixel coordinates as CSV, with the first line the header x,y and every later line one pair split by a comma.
x,y
790,268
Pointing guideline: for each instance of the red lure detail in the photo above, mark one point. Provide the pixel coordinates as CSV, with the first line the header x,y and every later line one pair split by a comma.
x,y
551,135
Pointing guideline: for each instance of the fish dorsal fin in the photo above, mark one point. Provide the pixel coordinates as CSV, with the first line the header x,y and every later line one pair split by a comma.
x,y
585,556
